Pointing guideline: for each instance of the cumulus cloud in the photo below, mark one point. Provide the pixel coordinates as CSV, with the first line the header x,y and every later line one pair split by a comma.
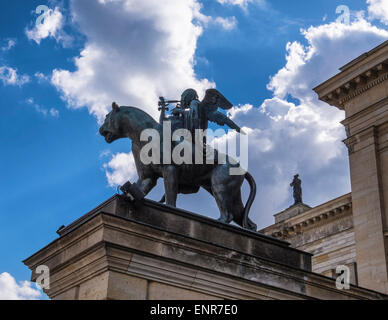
x,y
143,51
135,52
10,76
333,38
11,290
120,169
378,9
293,132
51,27
304,134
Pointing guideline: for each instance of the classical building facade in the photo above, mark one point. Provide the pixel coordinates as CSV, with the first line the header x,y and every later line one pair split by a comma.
x,y
353,229
325,231
141,249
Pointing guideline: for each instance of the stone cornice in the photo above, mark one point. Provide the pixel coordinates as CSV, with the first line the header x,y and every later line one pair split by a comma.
x,y
296,225
358,76
357,86
361,90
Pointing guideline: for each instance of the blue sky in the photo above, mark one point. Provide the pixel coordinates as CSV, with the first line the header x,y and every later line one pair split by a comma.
x,y
58,80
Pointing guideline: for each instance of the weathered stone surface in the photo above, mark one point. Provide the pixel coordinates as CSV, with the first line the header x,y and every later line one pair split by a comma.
x,y
291,212
325,231
160,291
149,251
203,229
366,109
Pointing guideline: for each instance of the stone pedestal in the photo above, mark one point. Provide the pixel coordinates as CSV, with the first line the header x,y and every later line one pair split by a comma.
x,y
147,250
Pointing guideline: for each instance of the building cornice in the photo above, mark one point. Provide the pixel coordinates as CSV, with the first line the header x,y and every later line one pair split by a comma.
x,y
356,86
324,213
361,90
360,75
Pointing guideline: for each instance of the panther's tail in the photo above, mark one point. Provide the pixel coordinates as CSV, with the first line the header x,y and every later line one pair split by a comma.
x,y
247,223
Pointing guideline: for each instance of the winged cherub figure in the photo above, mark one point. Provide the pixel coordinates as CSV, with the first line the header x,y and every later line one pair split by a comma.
x,y
197,113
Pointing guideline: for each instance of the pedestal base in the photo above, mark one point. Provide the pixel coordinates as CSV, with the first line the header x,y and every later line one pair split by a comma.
x,y
150,251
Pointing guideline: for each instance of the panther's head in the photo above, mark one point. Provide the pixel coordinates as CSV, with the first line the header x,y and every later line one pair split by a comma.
x,y
110,130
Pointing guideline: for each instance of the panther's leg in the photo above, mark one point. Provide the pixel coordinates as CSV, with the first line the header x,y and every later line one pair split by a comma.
x,y
226,190
146,185
226,216
170,176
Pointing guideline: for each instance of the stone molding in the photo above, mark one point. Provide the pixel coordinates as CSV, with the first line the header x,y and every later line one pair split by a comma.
x,y
360,138
360,91
364,113
357,86
357,77
292,211
117,256
339,208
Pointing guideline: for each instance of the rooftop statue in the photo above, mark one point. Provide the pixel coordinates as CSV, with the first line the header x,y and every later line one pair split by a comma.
x,y
296,184
130,122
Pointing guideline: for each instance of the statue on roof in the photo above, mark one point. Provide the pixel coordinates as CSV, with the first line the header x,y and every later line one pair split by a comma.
x,y
296,184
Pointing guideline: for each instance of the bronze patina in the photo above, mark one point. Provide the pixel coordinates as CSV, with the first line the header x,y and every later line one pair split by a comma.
x,y
191,114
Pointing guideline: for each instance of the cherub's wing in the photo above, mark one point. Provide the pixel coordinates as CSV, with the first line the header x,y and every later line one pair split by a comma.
x,y
222,120
214,100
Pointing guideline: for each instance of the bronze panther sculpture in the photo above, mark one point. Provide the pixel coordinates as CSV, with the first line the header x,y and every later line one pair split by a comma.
x,y
129,122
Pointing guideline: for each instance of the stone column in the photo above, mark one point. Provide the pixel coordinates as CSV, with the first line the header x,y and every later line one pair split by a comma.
x,y
361,90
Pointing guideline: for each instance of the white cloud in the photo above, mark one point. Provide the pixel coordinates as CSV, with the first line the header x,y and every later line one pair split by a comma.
x,y
242,3
41,77
135,52
11,290
120,169
54,112
51,112
226,23
305,134
287,136
329,46
10,76
141,51
51,27
378,9
10,44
